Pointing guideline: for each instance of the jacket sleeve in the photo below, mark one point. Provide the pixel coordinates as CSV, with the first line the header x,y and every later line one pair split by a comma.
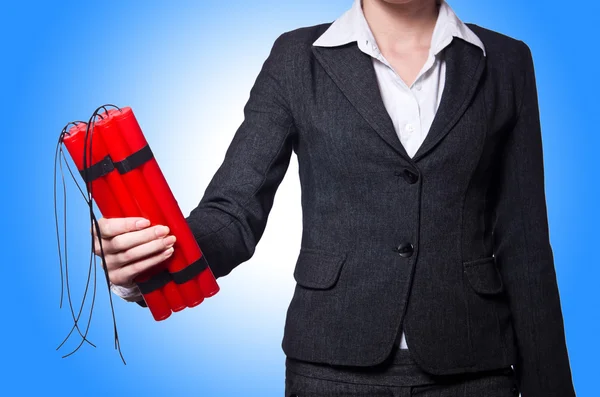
x,y
232,215
523,251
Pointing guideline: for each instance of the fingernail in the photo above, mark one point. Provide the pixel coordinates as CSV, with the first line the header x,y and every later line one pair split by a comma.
x,y
142,223
169,252
169,241
161,231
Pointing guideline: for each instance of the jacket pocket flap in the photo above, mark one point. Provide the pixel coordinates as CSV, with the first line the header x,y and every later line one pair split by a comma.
x,y
483,275
318,268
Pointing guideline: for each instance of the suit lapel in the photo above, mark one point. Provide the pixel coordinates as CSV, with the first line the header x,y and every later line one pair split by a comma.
x,y
464,68
353,72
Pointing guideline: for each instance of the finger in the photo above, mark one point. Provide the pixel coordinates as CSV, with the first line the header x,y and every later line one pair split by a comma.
x,y
125,275
140,252
111,227
130,240
97,246
106,247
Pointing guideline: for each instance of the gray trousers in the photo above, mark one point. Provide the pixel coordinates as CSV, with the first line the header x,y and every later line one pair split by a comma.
x,y
398,376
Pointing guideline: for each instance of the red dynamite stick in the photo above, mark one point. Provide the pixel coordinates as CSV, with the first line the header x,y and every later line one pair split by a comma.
x,y
134,136
101,192
139,188
130,209
105,199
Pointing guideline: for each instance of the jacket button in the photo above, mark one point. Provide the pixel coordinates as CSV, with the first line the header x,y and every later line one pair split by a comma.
x,y
410,176
405,249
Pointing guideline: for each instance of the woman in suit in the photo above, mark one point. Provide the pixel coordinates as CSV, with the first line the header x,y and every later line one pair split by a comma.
x,y
428,84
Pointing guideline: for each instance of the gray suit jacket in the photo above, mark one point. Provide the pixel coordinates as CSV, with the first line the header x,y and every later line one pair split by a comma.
x,y
452,244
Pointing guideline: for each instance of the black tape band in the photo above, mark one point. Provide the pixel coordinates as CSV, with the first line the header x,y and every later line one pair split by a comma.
x,y
97,170
161,279
190,272
157,281
134,160
106,165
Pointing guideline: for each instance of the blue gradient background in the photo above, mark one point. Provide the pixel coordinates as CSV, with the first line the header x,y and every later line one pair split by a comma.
x,y
186,68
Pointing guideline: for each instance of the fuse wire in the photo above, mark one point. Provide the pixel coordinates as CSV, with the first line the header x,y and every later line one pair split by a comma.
x,y
87,155
58,160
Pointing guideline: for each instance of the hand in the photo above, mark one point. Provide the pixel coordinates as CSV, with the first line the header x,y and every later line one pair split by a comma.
x,y
131,247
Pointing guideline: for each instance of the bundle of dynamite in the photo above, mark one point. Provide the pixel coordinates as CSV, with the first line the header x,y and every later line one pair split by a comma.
x,y
124,180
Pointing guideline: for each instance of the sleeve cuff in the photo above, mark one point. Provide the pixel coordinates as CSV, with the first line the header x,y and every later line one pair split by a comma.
x,y
129,294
